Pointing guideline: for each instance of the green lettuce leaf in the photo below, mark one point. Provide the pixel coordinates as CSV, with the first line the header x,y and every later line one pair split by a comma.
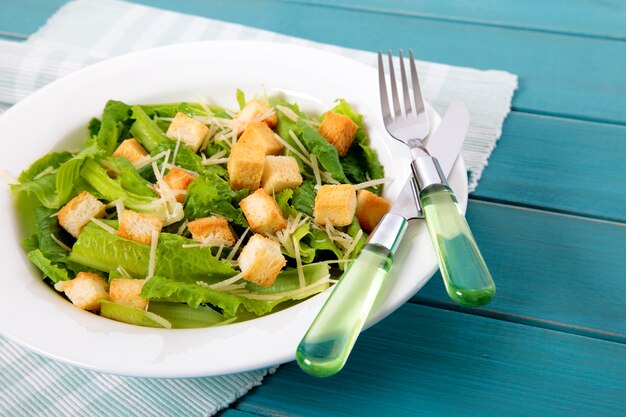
x,y
113,126
361,162
43,188
50,269
130,179
182,316
325,152
208,195
146,131
98,249
304,198
164,289
47,225
189,264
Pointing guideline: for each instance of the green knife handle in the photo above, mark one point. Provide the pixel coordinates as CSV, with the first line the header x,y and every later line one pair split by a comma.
x,y
325,347
465,274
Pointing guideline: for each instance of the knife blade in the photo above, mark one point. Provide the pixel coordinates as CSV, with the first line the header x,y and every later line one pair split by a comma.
x,y
325,347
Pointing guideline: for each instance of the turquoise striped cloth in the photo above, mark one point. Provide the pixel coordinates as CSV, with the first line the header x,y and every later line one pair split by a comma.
x,y
31,385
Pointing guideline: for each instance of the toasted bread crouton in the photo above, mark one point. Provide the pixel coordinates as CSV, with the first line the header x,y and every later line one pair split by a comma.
x,y
279,173
85,290
255,111
178,180
335,204
261,261
131,150
190,131
245,165
214,229
127,291
77,212
261,135
262,213
370,208
339,131
138,226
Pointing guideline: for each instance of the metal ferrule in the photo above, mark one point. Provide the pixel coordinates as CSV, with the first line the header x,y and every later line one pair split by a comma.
x,y
427,171
389,232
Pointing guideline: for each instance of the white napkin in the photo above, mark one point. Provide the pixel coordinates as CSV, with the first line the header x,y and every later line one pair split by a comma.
x,y
86,31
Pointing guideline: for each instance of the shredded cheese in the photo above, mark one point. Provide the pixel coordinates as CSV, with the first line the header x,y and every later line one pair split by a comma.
x,y
227,282
373,183
287,294
232,253
300,145
219,252
292,115
298,262
58,242
153,249
104,226
355,242
8,178
178,140
292,149
182,227
316,171
48,170
120,270
148,160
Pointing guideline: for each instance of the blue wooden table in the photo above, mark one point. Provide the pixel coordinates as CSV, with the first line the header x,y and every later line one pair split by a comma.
x,y
549,214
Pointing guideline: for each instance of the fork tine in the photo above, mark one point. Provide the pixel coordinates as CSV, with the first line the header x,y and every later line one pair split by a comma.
x,y
397,110
417,91
405,85
382,85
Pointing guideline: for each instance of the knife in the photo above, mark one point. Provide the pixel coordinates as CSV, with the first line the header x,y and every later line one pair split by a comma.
x,y
325,347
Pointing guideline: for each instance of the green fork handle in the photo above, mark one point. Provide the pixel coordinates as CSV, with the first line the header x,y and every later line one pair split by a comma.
x,y
464,272
327,344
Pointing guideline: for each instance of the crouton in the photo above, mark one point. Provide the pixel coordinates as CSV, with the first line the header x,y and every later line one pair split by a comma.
x,y
279,173
131,150
179,180
255,111
77,212
339,131
370,208
335,204
85,290
245,165
138,226
261,261
127,291
262,136
262,213
190,131
214,229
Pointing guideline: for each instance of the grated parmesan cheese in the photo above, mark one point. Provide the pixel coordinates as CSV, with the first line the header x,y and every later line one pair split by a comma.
x,y
104,226
290,114
227,282
153,249
373,183
231,255
8,178
58,242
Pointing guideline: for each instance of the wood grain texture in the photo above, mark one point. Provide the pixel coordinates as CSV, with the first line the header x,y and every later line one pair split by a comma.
x,y
601,18
547,77
550,270
563,75
559,164
424,361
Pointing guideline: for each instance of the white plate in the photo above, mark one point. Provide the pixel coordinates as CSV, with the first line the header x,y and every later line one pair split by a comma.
x,y
55,117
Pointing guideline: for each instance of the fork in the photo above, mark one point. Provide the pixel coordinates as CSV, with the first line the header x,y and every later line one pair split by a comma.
x,y
464,272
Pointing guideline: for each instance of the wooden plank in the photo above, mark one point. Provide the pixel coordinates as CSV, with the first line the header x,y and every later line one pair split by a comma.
x,y
577,17
550,270
547,78
424,361
559,164
21,18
